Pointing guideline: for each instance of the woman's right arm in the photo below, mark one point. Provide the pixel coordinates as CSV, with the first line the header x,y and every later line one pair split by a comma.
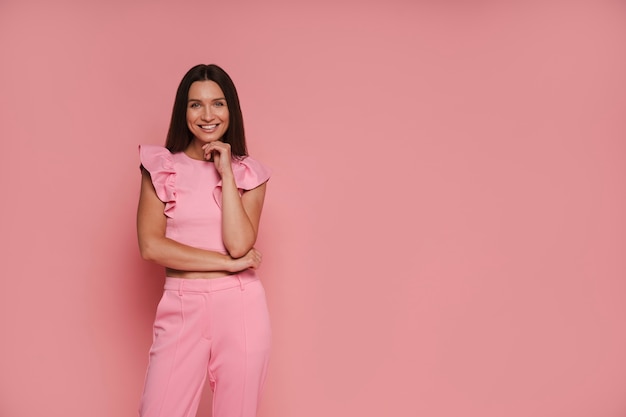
x,y
154,246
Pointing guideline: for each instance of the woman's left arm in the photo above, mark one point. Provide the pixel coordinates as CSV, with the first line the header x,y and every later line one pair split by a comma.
x,y
241,214
240,217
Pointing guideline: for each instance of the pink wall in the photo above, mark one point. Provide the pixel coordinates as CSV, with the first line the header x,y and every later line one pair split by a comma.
x,y
444,234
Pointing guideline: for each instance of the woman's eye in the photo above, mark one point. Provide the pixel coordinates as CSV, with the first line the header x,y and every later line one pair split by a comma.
x,y
194,105
219,104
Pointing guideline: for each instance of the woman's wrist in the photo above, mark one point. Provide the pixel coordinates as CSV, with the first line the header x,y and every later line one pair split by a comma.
x,y
228,179
229,264
235,264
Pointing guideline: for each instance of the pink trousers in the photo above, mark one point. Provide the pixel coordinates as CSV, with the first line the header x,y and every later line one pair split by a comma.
x,y
208,327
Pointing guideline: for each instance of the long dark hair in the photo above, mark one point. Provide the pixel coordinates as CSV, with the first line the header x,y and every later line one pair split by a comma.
x,y
179,136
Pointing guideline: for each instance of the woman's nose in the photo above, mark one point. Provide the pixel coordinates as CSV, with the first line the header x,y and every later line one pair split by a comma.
x,y
207,113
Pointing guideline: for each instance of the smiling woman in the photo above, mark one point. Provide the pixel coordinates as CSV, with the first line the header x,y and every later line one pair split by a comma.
x,y
207,115
199,211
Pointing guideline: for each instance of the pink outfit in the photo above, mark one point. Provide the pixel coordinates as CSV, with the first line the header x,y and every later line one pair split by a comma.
x,y
204,327
192,193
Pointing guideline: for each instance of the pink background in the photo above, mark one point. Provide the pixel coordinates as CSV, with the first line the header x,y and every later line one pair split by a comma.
x,y
444,233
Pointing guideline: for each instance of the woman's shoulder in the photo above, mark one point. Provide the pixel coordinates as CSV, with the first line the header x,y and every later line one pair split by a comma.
x,y
153,152
250,172
159,158
159,163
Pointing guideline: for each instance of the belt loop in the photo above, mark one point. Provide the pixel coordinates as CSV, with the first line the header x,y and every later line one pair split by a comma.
x,y
181,286
240,282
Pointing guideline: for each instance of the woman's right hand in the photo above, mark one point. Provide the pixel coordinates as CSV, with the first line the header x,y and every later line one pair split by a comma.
x,y
251,260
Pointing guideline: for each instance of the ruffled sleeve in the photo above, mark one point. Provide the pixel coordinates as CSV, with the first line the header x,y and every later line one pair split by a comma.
x,y
249,174
159,163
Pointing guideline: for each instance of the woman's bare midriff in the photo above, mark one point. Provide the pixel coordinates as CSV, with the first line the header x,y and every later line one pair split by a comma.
x,y
195,274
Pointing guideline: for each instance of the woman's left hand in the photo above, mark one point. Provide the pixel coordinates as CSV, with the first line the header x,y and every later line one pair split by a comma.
x,y
220,152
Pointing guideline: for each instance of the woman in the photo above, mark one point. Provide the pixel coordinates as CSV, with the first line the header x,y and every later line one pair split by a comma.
x,y
199,210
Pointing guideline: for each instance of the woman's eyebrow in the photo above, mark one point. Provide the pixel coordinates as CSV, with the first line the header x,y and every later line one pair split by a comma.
x,y
198,99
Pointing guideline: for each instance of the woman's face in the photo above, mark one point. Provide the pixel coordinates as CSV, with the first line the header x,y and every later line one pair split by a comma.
x,y
207,111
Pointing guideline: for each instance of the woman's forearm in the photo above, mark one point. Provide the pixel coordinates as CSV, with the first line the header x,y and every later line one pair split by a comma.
x,y
238,231
171,254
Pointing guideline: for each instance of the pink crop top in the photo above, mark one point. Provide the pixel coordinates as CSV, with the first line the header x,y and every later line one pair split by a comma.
x,y
192,193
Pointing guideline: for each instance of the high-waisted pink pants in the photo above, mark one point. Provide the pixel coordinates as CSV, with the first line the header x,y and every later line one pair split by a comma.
x,y
208,327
